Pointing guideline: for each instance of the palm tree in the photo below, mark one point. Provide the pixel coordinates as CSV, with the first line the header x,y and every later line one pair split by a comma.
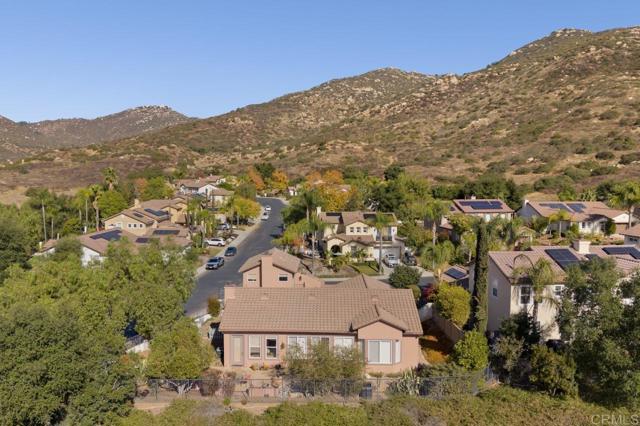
x,y
314,226
559,217
440,255
539,224
380,221
95,192
511,231
626,196
310,200
110,177
540,275
434,211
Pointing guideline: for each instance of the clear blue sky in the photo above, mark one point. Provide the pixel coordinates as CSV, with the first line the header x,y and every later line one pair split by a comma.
x,y
87,58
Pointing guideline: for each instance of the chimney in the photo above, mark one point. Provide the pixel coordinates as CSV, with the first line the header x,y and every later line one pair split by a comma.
x,y
136,203
581,246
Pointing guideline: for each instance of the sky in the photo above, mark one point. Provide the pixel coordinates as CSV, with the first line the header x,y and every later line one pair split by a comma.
x,y
87,58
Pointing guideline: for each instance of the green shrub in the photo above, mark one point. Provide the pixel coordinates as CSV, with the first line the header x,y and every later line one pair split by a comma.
x,y
472,351
453,303
404,276
552,372
630,158
605,155
213,306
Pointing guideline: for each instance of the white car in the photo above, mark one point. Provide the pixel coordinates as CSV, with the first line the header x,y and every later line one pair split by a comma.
x,y
265,216
391,260
267,208
219,242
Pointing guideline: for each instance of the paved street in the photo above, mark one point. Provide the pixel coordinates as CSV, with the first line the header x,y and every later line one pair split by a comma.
x,y
213,282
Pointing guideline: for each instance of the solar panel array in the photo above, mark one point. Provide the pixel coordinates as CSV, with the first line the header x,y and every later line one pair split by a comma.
x,y
626,250
577,207
113,235
556,206
482,204
142,240
455,274
140,215
563,257
166,232
158,213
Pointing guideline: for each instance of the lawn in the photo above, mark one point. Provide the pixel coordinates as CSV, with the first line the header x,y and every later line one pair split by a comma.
x,y
366,268
435,345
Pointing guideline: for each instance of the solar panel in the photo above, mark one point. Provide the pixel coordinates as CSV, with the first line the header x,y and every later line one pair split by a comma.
x,y
140,215
563,257
577,207
482,204
109,235
142,240
631,251
455,274
166,232
591,256
156,212
556,206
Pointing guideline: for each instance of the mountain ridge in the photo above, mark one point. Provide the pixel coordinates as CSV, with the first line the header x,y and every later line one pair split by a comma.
x,y
548,108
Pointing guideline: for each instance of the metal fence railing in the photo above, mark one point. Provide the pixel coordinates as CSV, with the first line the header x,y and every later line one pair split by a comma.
x,y
287,388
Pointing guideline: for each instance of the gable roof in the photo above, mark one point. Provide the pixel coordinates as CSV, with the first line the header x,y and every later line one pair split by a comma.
x,y
280,259
484,205
634,231
363,282
580,211
198,182
328,309
347,218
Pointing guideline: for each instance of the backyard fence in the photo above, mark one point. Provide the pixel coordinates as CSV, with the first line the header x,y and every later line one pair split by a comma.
x,y
452,331
278,389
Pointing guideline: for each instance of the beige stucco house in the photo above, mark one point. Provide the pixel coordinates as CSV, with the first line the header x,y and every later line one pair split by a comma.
x,y
260,324
275,268
352,233
205,187
149,214
508,296
485,209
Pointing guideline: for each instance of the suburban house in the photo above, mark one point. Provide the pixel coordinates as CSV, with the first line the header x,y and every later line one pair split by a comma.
x,y
509,295
137,220
275,268
205,187
591,217
485,209
353,234
261,324
631,235
458,275
94,245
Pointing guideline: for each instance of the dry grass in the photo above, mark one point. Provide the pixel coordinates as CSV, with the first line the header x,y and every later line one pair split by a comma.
x,y
435,345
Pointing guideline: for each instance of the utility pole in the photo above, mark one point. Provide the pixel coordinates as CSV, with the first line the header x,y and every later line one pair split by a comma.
x,y
44,224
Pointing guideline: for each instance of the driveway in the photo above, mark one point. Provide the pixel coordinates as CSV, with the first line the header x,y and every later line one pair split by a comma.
x,y
212,282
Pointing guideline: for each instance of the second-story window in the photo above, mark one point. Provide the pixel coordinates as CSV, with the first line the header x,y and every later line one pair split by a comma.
x,y
525,295
351,229
365,229
358,229
283,277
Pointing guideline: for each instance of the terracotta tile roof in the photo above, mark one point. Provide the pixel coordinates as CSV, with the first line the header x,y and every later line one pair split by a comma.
x,y
451,279
347,218
375,313
363,282
362,239
627,264
199,182
328,309
464,206
634,231
161,204
583,210
281,259
507,261
221,192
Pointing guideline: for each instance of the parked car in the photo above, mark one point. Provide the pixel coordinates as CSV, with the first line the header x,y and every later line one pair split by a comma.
x,y
267,208
391,260
265,216
217,241
231,251
410,259
215,262
223,227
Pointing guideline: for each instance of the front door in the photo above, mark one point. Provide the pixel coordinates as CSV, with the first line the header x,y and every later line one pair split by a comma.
x,y
237,350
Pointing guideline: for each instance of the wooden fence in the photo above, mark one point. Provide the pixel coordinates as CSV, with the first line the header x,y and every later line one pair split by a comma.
x,y
452,331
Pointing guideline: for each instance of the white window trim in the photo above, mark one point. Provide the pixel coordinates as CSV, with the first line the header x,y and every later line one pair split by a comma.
x,y
390,342
314,340
350,338
304,348
252,278
285,276
259,346
397,352
520,295
494,292
266,351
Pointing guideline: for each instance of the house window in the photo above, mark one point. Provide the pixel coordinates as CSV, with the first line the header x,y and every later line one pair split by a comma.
x,y
494,292
358,229
379,351
283,277
252,278
365,229
255,346
271,346
299,341
583,225
318,339
343,342
397,352
351,229
557,291
525,295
